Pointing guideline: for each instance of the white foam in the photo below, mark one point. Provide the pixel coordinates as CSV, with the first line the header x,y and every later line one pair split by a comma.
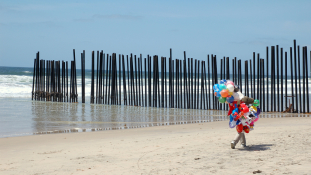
x,y
21,86
15,86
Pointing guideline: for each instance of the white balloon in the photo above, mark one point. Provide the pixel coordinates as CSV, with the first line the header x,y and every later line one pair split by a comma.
x,y
236,96
230,87
240,95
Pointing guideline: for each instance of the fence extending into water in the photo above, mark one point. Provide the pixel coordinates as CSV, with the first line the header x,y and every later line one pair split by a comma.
x,y
179,83
50,81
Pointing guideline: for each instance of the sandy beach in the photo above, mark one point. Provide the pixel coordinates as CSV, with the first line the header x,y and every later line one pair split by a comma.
x,y
276,146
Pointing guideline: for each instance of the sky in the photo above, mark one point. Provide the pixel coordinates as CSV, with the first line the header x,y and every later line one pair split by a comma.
x,y
223,28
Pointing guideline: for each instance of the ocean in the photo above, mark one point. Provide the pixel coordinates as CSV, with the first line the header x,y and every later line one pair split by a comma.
x,y
20,116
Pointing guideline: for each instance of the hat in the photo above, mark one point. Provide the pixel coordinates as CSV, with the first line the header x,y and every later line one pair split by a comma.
x,y
247,100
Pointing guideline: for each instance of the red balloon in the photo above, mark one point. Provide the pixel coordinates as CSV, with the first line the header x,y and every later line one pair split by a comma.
x,y
239,128
244,108
246,129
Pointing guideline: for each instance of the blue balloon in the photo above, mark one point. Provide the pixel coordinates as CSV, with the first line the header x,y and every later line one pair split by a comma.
x,y
258,110
223,81
217,93
230,99
233,123
216,87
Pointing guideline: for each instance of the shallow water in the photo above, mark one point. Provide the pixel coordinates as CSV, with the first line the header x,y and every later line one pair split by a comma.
x,y
25,117
22,116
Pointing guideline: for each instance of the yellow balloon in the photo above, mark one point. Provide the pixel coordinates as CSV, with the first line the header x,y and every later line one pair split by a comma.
x,y
230,93
253,108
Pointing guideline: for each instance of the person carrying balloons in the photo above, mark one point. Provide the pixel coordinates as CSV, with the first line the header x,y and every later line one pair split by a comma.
x,y
241,115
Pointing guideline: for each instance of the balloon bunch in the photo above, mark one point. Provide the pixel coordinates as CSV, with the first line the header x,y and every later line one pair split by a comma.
x,y
224,91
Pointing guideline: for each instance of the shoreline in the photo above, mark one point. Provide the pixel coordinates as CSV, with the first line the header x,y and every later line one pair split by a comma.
x,y
146,124
276,146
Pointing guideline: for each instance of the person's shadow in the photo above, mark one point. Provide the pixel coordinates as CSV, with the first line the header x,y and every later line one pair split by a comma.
x,y
262,147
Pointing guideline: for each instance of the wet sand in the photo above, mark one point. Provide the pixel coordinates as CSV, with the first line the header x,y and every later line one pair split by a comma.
x,y
276,146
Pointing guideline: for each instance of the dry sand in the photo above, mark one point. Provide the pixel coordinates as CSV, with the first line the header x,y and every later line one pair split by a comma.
x,y
276,146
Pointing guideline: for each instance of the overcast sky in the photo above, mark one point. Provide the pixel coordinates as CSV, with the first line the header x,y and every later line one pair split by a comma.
x,y
225,28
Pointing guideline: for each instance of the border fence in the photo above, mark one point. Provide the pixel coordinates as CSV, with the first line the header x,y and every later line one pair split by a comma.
x,y
179,83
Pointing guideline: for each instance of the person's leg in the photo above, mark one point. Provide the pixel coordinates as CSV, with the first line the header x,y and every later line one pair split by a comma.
x,y
239,129
243,139
236,140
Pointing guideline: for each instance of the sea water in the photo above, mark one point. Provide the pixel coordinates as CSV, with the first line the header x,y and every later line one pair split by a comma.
x,y
20,116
